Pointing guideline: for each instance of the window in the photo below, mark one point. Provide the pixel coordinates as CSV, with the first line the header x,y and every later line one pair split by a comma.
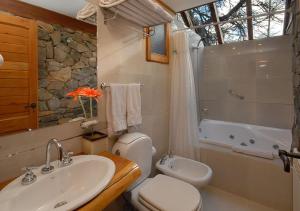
x,y
228,21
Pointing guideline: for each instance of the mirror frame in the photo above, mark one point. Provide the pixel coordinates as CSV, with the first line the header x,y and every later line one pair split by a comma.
x,y
154,57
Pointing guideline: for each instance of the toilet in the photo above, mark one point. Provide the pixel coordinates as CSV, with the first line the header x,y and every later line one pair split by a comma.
x,y
160,192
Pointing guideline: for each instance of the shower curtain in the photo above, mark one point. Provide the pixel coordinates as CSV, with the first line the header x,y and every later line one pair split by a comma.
x,y
184,133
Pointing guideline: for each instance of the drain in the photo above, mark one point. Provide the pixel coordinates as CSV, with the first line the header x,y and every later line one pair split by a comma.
x,y
252,141
59,204
231,136
275,146
244,144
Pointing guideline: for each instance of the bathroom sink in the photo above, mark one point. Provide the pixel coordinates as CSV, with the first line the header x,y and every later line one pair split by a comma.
x,y
66,188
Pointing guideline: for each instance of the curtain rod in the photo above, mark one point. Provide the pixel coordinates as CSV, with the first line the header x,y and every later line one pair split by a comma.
x,y
234,20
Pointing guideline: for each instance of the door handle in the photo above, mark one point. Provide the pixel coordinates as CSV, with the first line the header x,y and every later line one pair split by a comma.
x,y
32,105
1,60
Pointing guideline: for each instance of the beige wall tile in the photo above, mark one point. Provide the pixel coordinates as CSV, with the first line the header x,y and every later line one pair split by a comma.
x,y
275,115
257,179
239,111
258,70
129,65
274,90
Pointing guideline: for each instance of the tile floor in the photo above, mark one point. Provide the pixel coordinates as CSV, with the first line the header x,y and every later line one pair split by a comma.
x,y
215,199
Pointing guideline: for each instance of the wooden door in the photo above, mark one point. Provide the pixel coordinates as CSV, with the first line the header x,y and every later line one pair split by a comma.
x,y
18,74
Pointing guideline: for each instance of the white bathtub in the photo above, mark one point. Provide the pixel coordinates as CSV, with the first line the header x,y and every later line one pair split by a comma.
x,y
245,138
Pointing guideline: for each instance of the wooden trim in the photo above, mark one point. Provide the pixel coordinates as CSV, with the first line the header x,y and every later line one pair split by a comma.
x,y
249,20
286,16
37,13
33,74
152,57
215,19
166,7
185,19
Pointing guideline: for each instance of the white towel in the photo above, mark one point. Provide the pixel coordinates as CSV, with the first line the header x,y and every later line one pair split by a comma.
x,y
134,113
116,108
88,10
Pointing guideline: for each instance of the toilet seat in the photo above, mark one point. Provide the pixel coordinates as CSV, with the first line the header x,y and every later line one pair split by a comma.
x,y
170,194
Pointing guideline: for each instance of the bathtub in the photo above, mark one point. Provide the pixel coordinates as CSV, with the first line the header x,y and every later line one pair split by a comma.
x,y
248,139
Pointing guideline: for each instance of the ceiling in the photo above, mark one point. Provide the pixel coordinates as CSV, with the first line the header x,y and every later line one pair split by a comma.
x,y
180,5
60,6
64,6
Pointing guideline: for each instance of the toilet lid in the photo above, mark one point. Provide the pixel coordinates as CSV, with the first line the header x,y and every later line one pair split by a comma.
x,y
169,194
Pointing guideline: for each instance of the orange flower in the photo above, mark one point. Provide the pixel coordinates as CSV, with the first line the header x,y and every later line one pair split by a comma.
x,y
74,94
86,92
90,92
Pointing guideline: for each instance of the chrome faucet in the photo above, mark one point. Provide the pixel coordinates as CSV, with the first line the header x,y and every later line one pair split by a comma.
x,y
163,160
166,157
48,168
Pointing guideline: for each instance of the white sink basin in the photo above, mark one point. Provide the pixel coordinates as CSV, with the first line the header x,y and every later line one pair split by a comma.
x,y
66,188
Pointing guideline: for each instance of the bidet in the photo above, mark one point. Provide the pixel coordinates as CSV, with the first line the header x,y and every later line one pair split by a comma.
x,y
191,171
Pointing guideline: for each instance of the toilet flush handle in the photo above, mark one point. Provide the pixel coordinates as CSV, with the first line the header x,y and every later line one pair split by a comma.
x,y
117,152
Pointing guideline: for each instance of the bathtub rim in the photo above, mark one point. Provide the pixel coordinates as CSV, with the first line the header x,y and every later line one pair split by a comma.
x,y
275,161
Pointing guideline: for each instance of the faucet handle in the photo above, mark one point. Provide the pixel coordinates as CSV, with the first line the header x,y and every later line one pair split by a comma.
x,y
67,158
29,177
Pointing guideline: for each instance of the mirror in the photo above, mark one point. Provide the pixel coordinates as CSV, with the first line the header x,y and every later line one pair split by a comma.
x,y
42,64
67,61
157,43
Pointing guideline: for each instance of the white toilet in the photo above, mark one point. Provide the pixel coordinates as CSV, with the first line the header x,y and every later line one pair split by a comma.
x,y
161,192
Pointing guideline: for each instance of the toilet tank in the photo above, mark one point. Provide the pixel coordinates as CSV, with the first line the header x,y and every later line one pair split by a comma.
x,y
138,148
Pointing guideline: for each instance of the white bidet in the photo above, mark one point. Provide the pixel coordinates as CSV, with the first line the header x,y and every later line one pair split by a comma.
x,y
193,172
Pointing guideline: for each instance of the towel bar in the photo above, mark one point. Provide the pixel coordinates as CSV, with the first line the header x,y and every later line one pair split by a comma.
x,y
104,85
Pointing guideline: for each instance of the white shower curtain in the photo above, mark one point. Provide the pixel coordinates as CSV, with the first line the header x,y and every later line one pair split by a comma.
x,y
184,133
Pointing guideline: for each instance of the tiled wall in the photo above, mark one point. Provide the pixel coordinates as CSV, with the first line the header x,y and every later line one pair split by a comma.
x,y
121,58
29,148
258,70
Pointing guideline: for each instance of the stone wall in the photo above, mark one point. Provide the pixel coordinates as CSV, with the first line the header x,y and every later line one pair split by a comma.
x,y
296,73
67,60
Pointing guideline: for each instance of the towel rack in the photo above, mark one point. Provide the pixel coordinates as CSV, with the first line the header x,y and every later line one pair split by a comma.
x,y
104,85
